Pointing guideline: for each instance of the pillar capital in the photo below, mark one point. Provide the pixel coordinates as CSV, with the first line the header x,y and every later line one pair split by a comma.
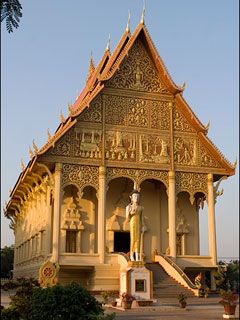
x,y
102,171
210,178
171,175
58,167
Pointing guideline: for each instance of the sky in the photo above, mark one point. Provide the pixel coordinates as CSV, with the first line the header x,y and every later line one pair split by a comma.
x,y
45,64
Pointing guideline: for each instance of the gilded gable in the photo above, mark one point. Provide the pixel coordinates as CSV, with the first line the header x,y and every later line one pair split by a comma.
x,y
206,159
137,72
180,123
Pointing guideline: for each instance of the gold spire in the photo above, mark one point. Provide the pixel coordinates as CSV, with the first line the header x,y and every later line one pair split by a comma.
x,y
22,165
35,148
49,135
128,22
62,119
108,43
183,85
30,152
91,67
143,12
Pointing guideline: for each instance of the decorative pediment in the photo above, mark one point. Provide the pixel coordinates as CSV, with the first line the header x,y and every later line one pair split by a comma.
x,y
206,159
180,123
138,72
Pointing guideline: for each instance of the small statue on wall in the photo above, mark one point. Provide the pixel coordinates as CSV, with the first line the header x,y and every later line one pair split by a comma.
x,y
134,213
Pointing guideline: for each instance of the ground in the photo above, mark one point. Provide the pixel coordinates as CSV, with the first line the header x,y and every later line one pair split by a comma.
x,y
167,309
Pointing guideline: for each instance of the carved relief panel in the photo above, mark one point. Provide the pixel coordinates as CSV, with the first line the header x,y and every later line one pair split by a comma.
x,y
205,159
185,150
191,183
153,149
120,146
180,123
80,175
137,72
93,113
62,146
87,143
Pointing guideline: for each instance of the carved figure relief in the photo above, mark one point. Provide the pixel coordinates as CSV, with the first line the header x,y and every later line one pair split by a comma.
x,y
87,143
120,146
206,160
185,151
180,123
138,113
153,149
137,72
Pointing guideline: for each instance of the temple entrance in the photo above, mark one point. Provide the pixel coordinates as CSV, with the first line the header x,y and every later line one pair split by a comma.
x,y
122,242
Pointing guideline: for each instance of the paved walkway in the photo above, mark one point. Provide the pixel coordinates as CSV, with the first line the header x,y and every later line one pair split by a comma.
x,y
168,309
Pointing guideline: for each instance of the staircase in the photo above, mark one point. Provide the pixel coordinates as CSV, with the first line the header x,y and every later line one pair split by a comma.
x,y
165,286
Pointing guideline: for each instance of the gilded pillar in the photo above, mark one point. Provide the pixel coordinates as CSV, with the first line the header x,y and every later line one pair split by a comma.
x,y
211,220
47,245
172,214
101,213
56,212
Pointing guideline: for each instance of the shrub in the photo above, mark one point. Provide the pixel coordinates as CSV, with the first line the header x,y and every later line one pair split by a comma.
x,y
68,302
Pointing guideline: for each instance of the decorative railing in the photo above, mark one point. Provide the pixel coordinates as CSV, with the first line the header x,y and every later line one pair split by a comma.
x,y
179,270
174,271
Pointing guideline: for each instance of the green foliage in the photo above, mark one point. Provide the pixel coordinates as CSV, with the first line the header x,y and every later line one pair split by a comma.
x,y
11,11
7,255
70,302
232,275
21,301
9,314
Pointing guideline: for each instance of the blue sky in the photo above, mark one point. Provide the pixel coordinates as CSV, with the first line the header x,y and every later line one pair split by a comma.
x,y
45,64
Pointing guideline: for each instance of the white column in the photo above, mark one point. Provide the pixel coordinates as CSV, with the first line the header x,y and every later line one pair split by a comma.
x,y
172,214
101,213
211,220
56,212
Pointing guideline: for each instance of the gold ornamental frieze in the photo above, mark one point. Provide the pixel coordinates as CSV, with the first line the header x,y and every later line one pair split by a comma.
x,y
93,113
137,112
191,183
80,176
137,175
137,72
63,146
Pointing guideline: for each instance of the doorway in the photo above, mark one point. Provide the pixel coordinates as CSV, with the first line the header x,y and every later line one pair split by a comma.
x,y
122,242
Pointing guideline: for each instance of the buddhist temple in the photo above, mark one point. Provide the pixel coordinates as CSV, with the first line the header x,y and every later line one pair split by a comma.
x,y
129,128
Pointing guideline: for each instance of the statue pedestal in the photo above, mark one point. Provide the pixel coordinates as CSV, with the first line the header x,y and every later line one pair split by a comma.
x,y
137,281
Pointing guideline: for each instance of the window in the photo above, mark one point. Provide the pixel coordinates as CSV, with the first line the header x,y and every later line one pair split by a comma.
x,y
71,237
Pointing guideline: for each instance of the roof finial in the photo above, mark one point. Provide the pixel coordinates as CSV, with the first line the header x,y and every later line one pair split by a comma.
x,y
183,85
143,12
207,126
62,119
108,43
235,163
70,108
35,148
91,67
128,22
49,135
22,165
30,152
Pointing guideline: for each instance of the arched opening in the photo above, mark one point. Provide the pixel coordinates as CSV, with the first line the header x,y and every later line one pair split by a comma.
x,y
153,198
79,220
117,227
187,225
202,210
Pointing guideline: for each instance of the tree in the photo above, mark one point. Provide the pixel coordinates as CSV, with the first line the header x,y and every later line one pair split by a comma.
x,y
7,255
11,11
